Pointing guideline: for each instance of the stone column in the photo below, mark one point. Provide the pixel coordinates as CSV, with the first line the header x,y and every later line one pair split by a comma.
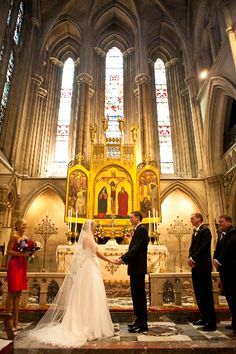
x,y
32,109
215,193
178,117
129,98
154,118
4,8
49,125
230,30
82,134
197,123
98,109
143,82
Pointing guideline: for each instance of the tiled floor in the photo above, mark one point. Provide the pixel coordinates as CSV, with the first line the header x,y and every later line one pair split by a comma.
x,y
161,337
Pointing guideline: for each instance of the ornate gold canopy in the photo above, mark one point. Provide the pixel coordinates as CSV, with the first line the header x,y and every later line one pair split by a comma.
x,y
114,185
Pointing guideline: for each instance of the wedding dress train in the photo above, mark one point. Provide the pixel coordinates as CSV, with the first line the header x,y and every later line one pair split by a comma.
x,y
80,311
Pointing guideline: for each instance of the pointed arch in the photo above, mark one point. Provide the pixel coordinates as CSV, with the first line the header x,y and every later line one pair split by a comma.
x,y
219,90
186,190
38,190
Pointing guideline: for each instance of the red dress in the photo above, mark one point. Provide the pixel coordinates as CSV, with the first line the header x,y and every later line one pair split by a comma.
x,y
17,272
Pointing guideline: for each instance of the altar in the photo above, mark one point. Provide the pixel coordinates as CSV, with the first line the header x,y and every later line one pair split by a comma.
x,y
157,261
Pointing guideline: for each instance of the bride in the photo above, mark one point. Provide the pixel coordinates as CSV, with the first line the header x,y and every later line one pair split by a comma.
x,y
80,311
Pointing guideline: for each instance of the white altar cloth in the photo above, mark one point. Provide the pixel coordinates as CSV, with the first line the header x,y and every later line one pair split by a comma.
x,y
157,261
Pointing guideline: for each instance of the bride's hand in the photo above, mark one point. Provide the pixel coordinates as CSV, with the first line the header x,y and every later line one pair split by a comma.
x,y
113,261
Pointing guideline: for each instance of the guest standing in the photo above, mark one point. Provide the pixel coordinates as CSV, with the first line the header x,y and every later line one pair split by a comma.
x,y
200,263
225,263
16,271
136,258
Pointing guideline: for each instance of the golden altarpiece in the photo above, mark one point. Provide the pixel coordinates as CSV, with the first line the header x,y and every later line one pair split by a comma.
x,y
108,192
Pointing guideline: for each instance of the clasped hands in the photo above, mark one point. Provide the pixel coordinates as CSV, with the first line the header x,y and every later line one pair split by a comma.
x,y
116,261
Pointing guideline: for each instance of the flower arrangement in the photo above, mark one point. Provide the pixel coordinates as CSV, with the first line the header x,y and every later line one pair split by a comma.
x,y
28,245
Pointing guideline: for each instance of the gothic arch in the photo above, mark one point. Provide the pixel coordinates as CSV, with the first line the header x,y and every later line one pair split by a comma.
x,y
186,190
214,121
160,41
40,190
60,41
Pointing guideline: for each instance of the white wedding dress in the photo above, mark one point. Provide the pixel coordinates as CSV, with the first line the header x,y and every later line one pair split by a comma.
x,y
80,311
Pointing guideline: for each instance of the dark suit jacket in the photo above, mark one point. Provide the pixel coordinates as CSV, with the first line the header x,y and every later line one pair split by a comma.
x,y
200,249
136,257
219,245
227,256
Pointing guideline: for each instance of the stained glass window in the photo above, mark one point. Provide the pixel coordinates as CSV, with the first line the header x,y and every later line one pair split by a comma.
x,y
64,120
19,21
114,91
6,88
164,128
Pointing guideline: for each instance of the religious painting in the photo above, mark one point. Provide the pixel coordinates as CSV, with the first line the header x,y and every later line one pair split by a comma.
x,y
77,194
148,191
113,190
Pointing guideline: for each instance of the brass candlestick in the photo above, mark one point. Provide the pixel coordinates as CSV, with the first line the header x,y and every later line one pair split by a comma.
x,y
179,229
46,230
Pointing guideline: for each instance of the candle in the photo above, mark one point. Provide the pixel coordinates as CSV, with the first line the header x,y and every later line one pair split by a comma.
x,y
76,217
156,221
149,221
69,220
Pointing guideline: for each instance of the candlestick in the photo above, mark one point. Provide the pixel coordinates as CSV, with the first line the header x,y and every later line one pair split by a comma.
x,y
76,219
149,221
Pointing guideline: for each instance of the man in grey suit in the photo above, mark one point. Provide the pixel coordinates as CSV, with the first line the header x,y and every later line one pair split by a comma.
x,y
136,259
200,263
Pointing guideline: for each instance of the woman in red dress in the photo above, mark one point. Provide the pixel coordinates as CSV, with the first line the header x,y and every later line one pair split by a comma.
x,y
16,271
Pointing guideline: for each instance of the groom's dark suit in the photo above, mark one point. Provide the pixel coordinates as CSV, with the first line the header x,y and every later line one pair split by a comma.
x,y
136,258
200,253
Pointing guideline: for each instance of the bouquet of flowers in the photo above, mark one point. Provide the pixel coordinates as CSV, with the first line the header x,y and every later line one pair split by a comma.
x,y
28,245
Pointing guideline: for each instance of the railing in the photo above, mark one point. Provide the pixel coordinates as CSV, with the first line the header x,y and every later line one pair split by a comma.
x,y
165,289
176,288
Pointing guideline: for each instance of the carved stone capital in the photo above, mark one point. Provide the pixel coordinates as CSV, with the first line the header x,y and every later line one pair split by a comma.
x,y
142,79
86,78
128,51
56,61
35,22
42,92
99,52
171,62
37,79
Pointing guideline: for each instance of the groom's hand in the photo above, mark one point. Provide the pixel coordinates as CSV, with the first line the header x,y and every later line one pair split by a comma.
x,y
118,261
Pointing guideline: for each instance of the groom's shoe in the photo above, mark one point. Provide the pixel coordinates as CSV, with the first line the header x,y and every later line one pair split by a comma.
x,y
133,324
138,329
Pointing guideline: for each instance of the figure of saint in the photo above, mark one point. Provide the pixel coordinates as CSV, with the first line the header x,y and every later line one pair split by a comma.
x,y
81,202
102,203
123,202
113,197
145,206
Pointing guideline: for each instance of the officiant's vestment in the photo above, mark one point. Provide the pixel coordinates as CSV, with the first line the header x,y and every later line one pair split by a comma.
x,y
200,253
136,259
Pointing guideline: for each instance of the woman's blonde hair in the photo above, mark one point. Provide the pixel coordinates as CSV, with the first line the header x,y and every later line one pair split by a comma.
x,y
18,223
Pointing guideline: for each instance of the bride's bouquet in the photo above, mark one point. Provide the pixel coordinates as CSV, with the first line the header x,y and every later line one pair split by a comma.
x,y
29,245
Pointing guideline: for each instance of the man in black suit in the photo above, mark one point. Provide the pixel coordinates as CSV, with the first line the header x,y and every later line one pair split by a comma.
x,y
136,258
200,262
225,263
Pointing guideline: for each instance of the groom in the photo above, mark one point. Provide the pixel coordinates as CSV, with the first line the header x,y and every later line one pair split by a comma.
x,y
136,258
